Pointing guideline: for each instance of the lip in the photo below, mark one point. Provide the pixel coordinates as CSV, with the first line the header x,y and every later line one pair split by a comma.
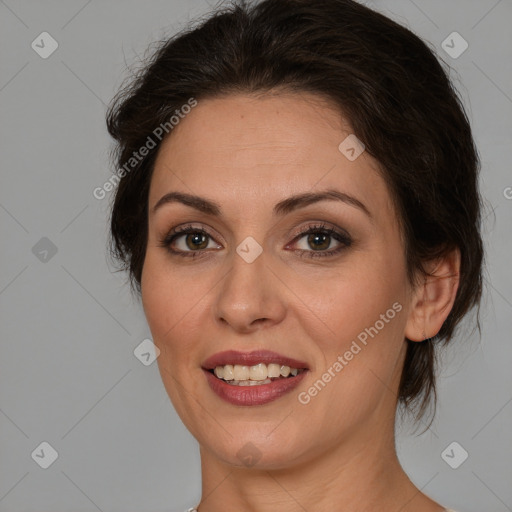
x,y
251,359
252,395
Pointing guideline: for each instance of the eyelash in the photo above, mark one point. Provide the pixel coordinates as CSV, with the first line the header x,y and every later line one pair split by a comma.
x,y
343,238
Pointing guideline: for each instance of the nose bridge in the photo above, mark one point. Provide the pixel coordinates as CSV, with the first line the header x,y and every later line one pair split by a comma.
x,y
249,291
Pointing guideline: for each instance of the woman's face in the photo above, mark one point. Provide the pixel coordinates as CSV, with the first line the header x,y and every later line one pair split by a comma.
x,y
271,274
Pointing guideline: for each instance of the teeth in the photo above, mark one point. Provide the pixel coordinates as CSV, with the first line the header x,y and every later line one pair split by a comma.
x,y
258,372
249,382
228,372
241,372
273,370
241,375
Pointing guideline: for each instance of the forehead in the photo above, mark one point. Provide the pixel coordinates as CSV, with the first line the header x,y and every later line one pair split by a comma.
x,y
245,148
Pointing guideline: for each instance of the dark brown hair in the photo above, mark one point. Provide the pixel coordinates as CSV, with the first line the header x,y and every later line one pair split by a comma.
x,y
391,87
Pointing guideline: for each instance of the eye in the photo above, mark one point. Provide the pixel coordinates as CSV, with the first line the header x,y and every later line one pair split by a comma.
x,y
317,241
188,241
314,241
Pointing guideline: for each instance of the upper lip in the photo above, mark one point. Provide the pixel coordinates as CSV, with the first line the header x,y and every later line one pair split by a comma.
x,y
250,359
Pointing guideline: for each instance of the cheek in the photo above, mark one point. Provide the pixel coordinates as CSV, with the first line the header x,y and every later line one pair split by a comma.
x,y
170,303
356,318
166,299
341,304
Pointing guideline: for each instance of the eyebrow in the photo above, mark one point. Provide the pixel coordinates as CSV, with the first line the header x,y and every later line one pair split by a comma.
x,y
282,208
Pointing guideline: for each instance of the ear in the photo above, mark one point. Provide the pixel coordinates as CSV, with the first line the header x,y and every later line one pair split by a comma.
x,y
433,300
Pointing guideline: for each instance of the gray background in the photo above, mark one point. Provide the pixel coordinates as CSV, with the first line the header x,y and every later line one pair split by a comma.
x,y
69,326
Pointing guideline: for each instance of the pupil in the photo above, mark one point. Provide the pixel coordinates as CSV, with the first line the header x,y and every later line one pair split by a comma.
x,y
195,241
321,239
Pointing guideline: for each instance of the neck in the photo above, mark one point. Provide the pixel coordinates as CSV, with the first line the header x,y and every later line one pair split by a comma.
x,y
362,474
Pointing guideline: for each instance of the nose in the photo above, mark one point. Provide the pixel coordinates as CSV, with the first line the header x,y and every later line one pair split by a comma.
x,y
250,296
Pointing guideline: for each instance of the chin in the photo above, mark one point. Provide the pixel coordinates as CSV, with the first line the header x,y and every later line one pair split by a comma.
x,y
253,447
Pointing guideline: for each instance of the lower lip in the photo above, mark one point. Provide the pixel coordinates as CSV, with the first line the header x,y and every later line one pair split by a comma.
x,y
253,395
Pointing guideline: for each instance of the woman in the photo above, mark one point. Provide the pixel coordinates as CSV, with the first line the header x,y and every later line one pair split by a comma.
x,y
298,208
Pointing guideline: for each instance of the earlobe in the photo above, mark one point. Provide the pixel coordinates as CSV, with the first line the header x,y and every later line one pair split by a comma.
x,y
433,300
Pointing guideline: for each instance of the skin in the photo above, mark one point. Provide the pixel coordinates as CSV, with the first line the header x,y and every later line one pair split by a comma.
x,y
337,452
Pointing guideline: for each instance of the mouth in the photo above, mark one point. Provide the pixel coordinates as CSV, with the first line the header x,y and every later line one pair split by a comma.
x,y
252,378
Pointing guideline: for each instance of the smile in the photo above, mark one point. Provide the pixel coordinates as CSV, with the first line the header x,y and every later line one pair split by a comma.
x,y
252,378
258,374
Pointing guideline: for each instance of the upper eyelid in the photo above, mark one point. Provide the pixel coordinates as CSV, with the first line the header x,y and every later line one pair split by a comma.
x,y
315,225
303,231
